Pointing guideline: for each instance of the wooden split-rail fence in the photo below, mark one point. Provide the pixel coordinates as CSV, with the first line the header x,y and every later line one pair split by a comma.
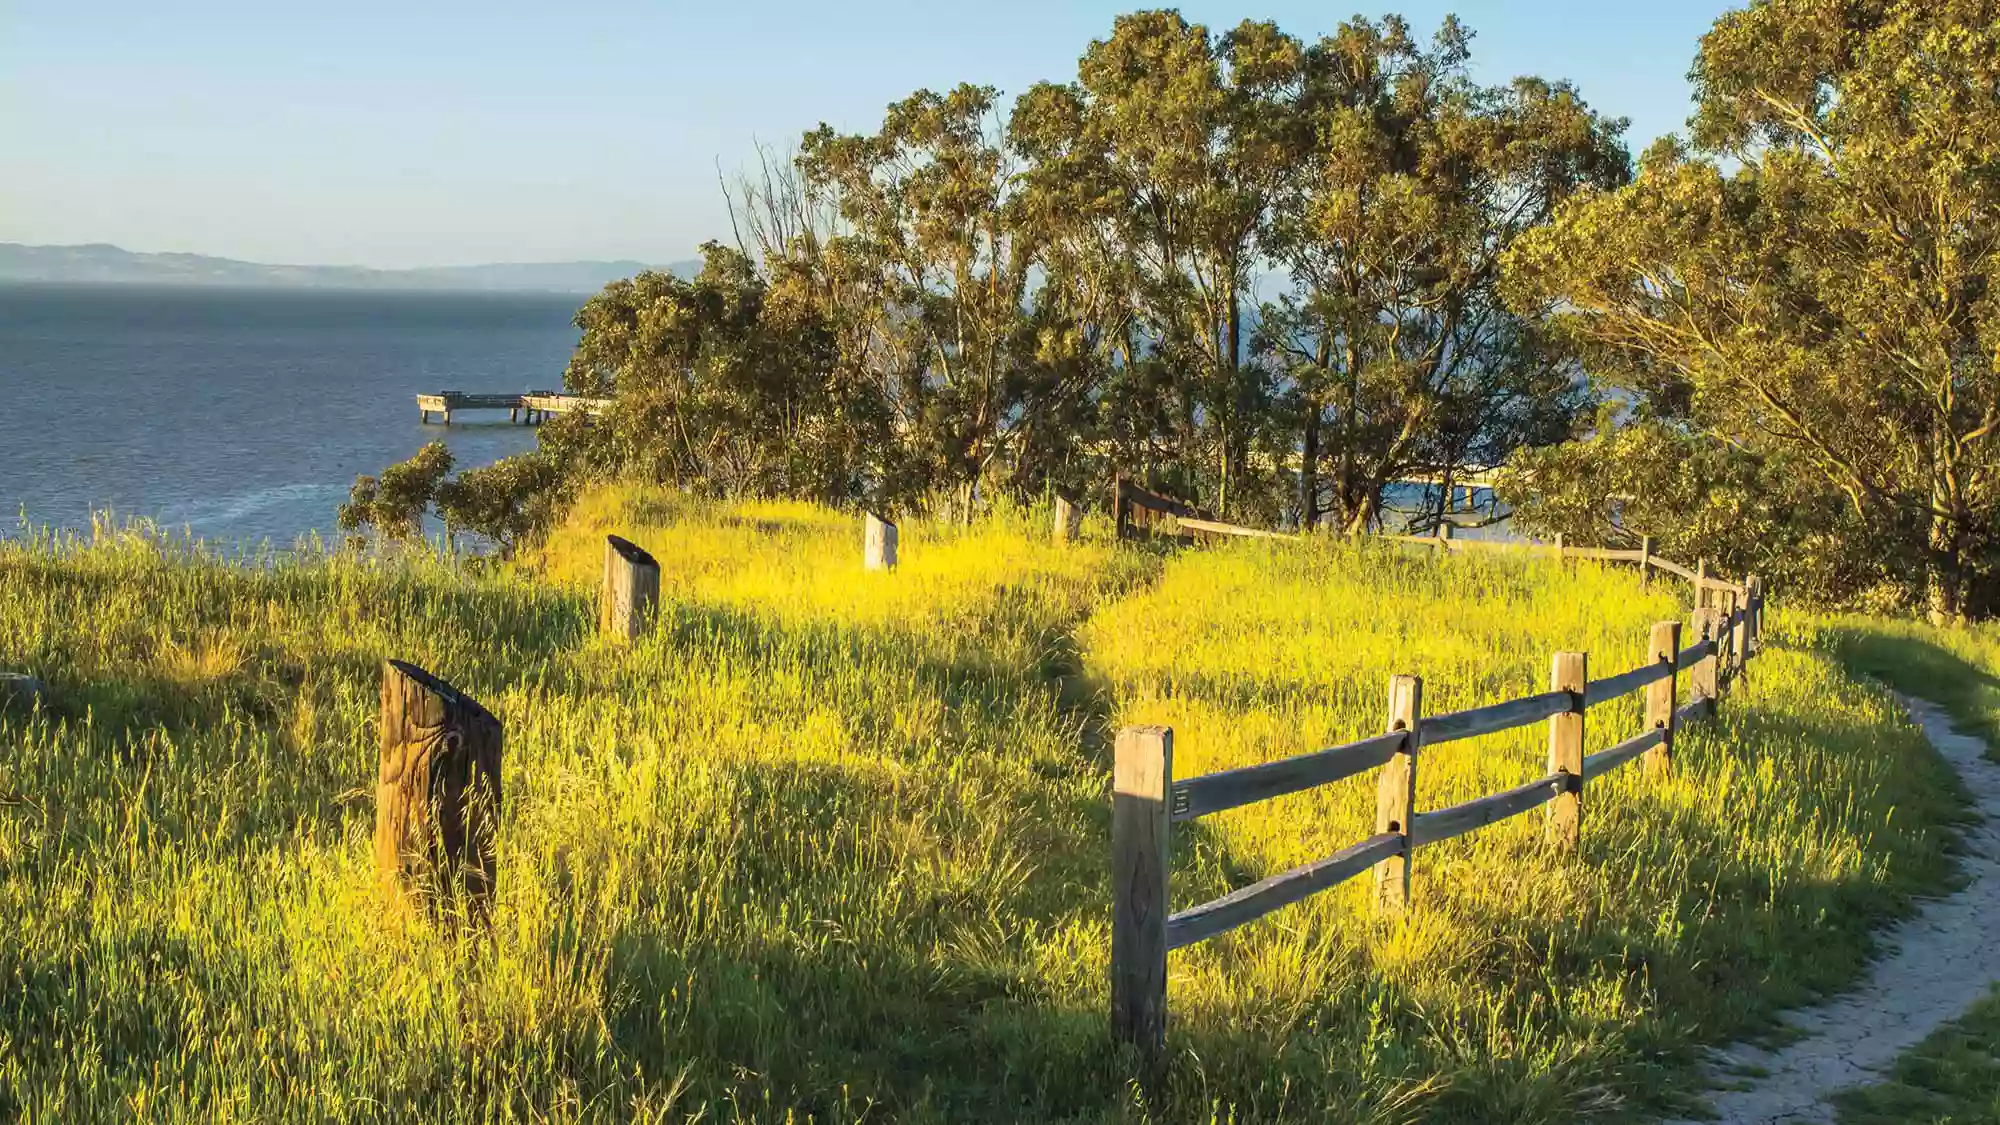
x,y
1148,800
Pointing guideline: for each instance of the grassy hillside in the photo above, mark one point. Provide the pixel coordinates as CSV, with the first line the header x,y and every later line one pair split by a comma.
x,y
832,845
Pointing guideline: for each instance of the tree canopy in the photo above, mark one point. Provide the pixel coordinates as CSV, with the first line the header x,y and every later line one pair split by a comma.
x,y
1807,288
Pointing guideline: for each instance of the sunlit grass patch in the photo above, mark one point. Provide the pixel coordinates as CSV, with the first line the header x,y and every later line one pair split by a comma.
x,y
833,845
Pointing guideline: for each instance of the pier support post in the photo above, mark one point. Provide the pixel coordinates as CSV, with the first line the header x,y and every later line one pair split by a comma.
x,y
437,796
878,548
630,593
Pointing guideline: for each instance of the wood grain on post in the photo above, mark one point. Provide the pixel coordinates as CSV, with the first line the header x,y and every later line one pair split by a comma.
x,y
1569,672
878,548
1068,520
1664,647
437,797
1702,681
630,593
1396,796
1142,776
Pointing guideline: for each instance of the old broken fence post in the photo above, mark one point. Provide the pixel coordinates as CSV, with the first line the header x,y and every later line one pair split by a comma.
x,y
629,596
1068,520
1142,774
437,795
878,544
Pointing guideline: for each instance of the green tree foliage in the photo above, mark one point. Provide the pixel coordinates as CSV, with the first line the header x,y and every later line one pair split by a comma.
x,y
508,502
970,302
394,505
724,383
1410,181
1811,286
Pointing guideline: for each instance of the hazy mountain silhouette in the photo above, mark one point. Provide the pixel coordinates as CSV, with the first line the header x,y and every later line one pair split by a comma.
x,y
109,265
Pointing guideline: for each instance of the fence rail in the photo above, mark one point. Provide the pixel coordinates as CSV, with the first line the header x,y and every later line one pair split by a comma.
x,y
1148,800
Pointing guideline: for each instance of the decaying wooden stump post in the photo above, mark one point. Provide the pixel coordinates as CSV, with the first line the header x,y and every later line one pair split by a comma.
x,y
878,551
1142,777
437,799
630,594
1068,520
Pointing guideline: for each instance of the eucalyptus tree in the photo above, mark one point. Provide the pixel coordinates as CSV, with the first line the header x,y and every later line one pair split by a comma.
x,y
1152,174
1407,182
1813,279
928,210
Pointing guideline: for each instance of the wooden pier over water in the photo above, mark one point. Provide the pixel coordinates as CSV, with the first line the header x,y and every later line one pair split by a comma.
x,y
528,409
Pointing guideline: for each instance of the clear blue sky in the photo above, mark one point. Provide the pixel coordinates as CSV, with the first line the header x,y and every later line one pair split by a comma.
x,y
439,132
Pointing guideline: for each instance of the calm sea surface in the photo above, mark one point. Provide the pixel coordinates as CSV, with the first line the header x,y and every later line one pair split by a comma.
x,y
243,416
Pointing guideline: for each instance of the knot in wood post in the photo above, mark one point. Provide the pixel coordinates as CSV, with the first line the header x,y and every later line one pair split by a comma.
x,y
1663,646
1142,777
1396,796
878,547
437,798
630,594
1569,672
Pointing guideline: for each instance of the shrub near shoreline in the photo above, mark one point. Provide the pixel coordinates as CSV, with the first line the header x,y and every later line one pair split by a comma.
x,y
832,845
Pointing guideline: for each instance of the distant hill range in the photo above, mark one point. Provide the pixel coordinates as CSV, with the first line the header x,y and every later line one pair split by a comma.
x,y
109,265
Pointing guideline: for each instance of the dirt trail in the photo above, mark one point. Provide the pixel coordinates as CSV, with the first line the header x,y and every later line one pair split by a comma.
x,y
1940,961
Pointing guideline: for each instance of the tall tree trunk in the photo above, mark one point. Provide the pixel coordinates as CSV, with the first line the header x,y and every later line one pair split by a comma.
x,y
1309,469
1946,572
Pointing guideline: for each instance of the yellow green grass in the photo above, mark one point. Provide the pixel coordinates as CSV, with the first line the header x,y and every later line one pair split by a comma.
x,y
833,846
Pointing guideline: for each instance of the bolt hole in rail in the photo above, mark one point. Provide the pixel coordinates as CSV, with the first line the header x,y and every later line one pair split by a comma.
x,y
1147,800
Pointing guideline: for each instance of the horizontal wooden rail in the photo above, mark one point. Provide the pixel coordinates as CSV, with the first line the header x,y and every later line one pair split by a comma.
x,y
1258,899
1215,527
1694,652
1658,563
1604,761
1454,725
1214,792
1457,820
1625,683
1696,708
1603,554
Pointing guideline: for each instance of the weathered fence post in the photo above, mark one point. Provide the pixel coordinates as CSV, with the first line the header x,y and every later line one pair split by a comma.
x,y
1702,681
1142,774
1396,795
1569,672
629,596
1646,558
1665,647
878,548
1444,536
1746,628
1755,640
1121,516
1068,520
1560,547
437,797
1701,584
